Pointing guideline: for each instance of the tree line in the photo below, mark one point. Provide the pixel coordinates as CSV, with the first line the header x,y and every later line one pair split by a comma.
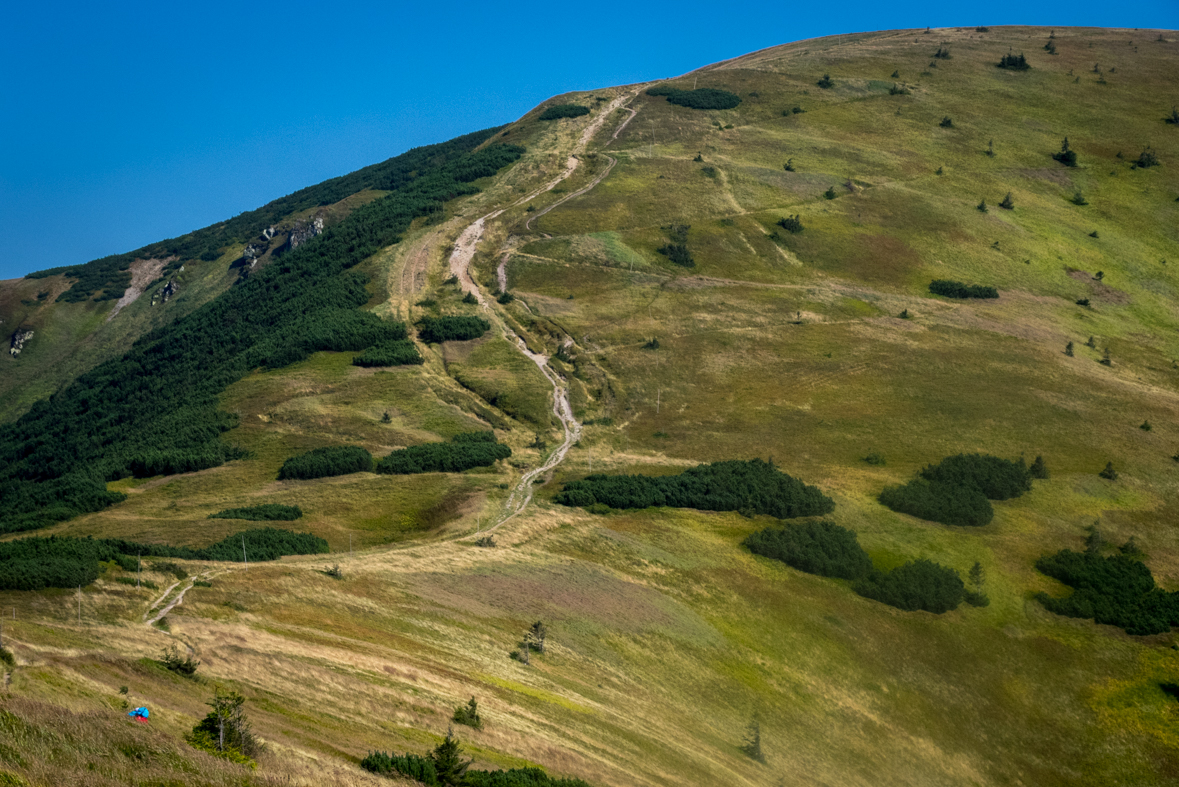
x,y
464,451
110,276
754,486
456,328
67,562
956,289
265,512
395,353
156,409
558,111
445,767
702,98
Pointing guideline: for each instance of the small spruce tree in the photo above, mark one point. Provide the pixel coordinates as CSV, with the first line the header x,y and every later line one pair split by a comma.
x,y
982,206
1068,349
1092,343
789,165
752,743
826,82
1008,203
1105,359
829,193
978,577
449,766
1067,156
1038,469
1145,426
1094,541
946,122
1109,473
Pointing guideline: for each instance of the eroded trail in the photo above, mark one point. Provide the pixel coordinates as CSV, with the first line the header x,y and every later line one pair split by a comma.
x,y
460,267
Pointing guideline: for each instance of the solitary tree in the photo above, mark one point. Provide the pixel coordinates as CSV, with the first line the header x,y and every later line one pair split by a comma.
x,y
978,577
1067,156
1039,469
535,636
449,765
752,742
1109,472
1145,426
1091,343
1008,203
1068,349
982,206
946,122
1105,359
1094,541
468,714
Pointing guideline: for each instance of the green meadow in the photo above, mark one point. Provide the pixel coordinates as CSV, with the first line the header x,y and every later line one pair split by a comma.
x,y
814,349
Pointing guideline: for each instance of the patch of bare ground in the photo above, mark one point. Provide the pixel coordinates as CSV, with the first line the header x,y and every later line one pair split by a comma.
x,y
1100,289
143,273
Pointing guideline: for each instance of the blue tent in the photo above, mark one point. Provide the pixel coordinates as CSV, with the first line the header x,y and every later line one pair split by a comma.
x,y
140,713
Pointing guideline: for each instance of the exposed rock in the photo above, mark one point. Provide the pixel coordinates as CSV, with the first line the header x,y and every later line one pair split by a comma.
x,y
143,273
19,338
268,233
166,292
304,231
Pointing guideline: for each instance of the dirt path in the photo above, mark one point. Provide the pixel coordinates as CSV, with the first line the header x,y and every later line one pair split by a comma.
x,y
460,267
174,602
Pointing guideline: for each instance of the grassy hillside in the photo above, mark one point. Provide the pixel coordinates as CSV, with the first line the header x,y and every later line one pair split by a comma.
x,y
815,348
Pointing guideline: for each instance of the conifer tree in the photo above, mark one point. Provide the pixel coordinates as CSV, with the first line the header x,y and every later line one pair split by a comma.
x,y
1068,349
982,206
1008,203
978,577
1039,469
1109,472
449,766
1067,156
752,743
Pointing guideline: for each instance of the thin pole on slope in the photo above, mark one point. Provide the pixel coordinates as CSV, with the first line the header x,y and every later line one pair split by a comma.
x,y
244,561
349,545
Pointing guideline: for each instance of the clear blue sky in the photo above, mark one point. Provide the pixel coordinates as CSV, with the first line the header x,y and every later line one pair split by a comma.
x,y
125,123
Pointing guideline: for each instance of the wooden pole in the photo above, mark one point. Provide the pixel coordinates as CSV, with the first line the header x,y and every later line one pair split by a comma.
x,y
246,562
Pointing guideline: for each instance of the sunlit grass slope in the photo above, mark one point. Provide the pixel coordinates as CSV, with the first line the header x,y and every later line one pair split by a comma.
x,y
667,637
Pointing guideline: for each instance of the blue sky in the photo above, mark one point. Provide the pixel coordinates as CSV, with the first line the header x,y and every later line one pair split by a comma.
x,y
126,123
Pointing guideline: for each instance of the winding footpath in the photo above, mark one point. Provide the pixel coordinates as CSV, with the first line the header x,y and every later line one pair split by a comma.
x,y
460,267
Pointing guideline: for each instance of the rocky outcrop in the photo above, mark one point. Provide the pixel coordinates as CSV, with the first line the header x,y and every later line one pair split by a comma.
x,y
304,231
166,292
19,338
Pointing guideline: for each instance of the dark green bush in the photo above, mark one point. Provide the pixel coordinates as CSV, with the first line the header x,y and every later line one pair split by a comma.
x,y
558,111
703,98
677,253
920,584
721,486
945,503
1014,62
451,329
819,548
956,289
402,353
464,451
792,224
261,513
325,462
998,479
1118,590
826,82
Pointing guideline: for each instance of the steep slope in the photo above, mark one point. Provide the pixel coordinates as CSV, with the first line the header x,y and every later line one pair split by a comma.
x,y
81,315
817,348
